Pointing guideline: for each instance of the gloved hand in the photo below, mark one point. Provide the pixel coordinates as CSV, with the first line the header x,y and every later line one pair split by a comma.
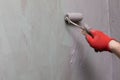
x,y
99,41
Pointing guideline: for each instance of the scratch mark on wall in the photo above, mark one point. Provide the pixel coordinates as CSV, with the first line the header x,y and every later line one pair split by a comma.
x,y
24,36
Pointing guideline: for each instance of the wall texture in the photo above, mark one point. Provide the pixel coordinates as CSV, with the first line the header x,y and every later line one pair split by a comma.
x,y
36,44
114,30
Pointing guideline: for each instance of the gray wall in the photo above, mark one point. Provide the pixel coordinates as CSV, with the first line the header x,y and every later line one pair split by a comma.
x,y
115,33
36,44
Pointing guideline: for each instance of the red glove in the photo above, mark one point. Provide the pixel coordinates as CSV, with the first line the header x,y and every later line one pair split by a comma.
x,y
99,41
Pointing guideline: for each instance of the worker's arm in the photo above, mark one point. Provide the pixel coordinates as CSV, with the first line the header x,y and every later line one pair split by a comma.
x,y
115,47
102,42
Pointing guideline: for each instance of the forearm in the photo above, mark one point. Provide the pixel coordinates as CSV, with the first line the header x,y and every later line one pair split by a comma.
x,y
115,47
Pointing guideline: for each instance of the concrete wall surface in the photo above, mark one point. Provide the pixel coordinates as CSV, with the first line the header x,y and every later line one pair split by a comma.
x,y
115,33
36,44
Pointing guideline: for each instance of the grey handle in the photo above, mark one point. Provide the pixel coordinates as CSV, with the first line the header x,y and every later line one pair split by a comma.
x,y
83,28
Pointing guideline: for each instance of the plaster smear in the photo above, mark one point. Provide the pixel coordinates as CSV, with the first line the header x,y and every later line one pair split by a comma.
x,y
77,52
76,55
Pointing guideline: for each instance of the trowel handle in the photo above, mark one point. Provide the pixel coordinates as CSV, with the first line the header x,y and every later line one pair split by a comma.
x,y
82,28
88,32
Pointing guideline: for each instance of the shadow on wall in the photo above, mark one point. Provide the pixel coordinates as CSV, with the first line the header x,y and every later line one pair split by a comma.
x,y
81,66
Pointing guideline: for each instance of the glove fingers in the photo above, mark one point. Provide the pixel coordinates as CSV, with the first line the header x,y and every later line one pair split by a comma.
x,y
89,39
93,32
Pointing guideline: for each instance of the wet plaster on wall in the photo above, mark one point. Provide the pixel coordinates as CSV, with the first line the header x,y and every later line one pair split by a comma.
x,y
41,44
96,15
